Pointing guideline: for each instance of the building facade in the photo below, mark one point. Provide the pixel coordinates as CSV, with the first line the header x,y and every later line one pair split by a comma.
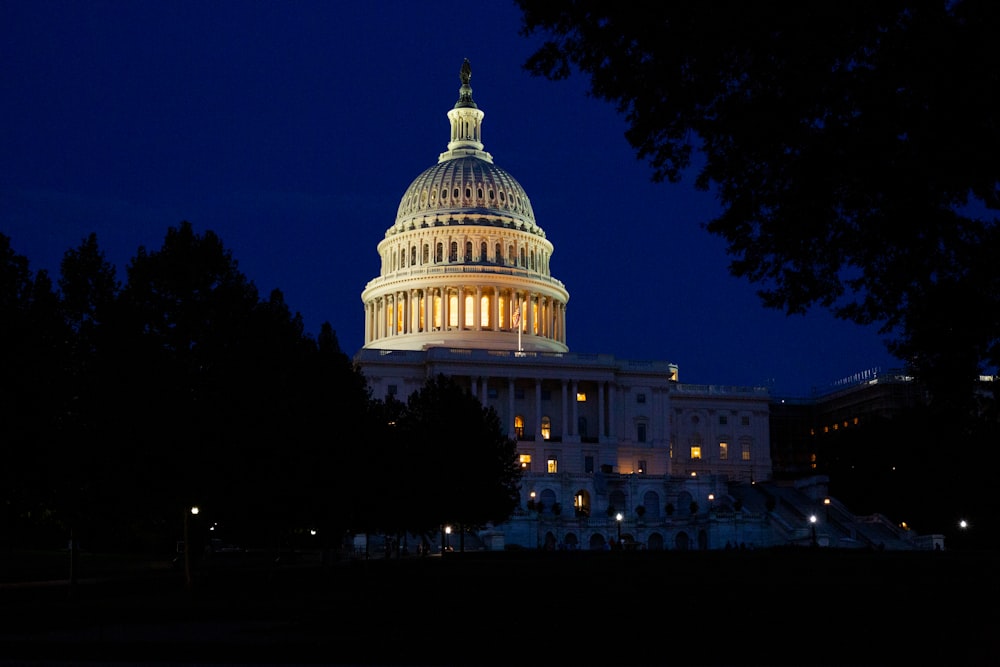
x,y
612,451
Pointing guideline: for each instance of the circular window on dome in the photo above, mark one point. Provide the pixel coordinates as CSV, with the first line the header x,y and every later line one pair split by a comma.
x,y
468,193
479,193
455,193
501,196
491,196
444,193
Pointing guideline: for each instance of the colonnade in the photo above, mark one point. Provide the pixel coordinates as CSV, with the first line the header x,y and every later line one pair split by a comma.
x,y
570,407
471,308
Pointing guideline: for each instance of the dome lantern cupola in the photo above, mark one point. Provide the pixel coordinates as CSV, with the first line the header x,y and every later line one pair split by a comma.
x,y
464,265
466,123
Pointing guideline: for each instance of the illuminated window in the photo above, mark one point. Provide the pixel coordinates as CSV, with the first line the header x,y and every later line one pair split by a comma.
x,y
519,427
723,451
552,465
695,452
546,428
642,467
525,461
581,397
746,451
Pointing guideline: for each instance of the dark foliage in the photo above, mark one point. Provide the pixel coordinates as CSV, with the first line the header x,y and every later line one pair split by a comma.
x,y
456,464
852,146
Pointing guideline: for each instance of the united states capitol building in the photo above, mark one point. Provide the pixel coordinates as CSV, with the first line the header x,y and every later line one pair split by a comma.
x,y
614,452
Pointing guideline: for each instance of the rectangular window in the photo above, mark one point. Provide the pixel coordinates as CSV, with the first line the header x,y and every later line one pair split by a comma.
x,y
581,397
640,398
392,390
492,392
695,452
588,464
723,420
640,432
553,465
746,451
546,394
518,392
642,467
525,460
723,451
745,420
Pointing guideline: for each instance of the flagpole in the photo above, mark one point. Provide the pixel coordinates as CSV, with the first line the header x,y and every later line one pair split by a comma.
x,y
519,349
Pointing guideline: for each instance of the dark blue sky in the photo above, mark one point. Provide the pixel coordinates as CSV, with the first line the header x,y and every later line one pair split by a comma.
x,y
292,129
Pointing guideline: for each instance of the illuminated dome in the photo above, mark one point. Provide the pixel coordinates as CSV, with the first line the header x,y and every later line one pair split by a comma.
x,y
464,264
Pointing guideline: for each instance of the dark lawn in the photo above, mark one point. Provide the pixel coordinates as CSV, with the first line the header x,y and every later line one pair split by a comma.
x,y
768,607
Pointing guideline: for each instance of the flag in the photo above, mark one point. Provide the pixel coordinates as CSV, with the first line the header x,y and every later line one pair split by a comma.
x,y
516,320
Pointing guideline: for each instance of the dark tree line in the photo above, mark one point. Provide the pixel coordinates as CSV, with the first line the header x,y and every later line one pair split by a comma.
x,y
852,146
126,403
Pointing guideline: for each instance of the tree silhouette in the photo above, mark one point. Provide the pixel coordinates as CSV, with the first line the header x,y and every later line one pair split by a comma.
x,y
458,466
848,144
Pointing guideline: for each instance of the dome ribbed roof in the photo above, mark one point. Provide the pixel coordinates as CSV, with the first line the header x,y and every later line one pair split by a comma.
x,y
462,187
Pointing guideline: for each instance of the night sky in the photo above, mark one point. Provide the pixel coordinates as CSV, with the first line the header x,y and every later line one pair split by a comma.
x,y
292,129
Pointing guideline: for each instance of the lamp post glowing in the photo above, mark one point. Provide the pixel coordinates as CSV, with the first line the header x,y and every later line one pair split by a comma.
x,y
618,518
187,543
447,538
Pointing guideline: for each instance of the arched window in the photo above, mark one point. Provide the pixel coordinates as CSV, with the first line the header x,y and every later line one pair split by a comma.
x,y
468,251
453,252
498,254
483,251
439,253
581,503
426,254
616,499
413,255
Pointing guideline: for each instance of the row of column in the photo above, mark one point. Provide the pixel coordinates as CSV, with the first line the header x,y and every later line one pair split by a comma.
x,y
420,310
570,412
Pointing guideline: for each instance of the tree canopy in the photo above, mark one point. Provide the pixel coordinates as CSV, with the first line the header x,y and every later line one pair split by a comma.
x,y
852,146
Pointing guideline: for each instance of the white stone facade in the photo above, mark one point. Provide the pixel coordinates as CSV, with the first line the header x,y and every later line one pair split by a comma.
x,y
466,290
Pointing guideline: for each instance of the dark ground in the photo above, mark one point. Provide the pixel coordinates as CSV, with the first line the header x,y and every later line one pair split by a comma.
x,y
768,607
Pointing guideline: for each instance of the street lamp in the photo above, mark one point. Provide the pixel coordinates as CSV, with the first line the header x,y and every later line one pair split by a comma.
x,y
447,537
187,543
618,518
